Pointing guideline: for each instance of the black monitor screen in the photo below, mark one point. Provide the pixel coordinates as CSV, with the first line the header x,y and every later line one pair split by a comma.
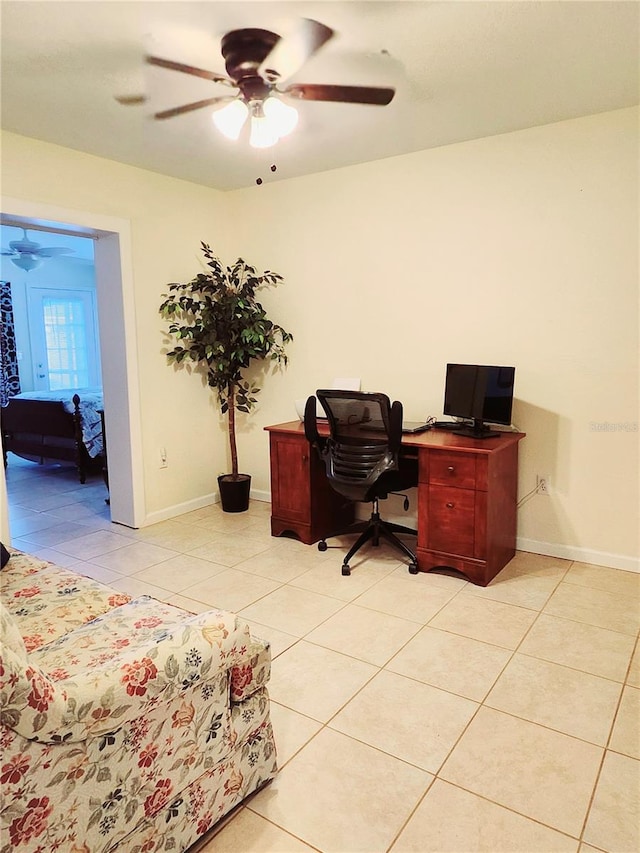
x,y
479,393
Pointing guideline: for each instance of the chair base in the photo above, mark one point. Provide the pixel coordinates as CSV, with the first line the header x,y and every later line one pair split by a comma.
x,y
374,529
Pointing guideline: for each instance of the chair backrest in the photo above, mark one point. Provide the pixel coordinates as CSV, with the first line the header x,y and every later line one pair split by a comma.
x,y
365,433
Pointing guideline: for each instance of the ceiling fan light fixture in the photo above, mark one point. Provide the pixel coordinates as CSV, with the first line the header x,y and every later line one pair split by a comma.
x,y
263,135
231,119
26,262
270,120
283,117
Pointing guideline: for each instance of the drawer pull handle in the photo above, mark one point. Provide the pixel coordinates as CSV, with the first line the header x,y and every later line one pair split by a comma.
x,y
450,505
451,469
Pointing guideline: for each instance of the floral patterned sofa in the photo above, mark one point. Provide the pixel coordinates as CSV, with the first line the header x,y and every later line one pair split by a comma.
x,y
127,725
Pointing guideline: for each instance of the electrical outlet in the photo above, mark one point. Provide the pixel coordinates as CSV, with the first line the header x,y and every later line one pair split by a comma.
x,y
163,458
542,485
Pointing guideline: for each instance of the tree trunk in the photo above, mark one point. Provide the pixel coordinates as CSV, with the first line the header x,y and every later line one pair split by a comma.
x,y
231,399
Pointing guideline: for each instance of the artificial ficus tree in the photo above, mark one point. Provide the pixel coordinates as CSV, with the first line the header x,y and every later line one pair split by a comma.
x,y
216,321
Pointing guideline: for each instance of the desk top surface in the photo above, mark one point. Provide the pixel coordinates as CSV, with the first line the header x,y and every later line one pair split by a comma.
x,y
436,438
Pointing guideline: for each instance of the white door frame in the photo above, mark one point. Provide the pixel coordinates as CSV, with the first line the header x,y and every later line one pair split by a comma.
x,y
116,311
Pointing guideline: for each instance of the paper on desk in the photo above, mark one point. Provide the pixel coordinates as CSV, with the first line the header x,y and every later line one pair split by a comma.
x,y
351,384
346,384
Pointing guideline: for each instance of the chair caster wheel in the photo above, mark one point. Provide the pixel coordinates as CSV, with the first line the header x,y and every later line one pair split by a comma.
x,y
346,570
413,568
322,545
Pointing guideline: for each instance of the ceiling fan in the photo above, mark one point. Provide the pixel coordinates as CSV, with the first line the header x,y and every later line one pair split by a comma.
x,y
28,255
257,62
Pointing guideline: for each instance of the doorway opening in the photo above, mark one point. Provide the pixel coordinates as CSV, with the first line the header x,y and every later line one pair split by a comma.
x,y
114,293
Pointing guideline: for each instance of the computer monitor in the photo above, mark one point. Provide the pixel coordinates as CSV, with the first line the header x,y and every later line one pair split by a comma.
x,y
479,393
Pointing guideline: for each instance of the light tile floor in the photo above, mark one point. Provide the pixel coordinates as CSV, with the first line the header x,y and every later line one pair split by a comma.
x,y
411,713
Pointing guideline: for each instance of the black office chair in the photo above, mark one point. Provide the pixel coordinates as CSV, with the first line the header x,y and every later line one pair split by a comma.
x,y
363,462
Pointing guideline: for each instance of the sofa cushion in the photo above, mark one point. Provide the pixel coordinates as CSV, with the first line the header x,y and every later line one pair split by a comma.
x,y
51,601
48,702
136,625
22,565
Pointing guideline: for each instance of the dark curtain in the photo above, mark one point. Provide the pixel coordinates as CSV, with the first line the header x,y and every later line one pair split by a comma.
x,y
9,377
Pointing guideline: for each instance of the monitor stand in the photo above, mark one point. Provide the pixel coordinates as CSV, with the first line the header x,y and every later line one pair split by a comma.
x,y
478,430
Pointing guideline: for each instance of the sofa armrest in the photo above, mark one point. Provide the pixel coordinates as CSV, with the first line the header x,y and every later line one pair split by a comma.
x,y
102,699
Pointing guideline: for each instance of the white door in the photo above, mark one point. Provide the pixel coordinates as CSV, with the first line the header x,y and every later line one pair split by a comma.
x,y
64,339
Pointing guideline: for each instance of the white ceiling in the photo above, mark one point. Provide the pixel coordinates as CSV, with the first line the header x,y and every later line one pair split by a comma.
x,y
462,70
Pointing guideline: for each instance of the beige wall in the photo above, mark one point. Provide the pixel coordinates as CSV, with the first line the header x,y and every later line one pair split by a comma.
x,y
519,249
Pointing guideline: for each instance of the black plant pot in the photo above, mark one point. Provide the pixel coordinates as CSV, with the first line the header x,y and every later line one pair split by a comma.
x,y
234,492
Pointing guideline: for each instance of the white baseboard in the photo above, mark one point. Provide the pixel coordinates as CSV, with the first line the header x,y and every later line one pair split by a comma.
x,y
258,495
180,509
197,503
580,555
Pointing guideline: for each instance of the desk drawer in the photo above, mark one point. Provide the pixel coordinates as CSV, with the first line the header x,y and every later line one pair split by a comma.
x,y
452,520
452,469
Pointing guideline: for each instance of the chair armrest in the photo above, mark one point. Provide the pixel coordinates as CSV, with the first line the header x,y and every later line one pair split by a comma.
x,y
310,422
102,699
395,427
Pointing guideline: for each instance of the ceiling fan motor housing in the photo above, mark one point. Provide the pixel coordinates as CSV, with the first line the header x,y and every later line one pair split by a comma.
x,y
244,51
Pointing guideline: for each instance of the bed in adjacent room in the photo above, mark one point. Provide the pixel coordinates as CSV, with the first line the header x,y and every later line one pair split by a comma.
x,y
55,426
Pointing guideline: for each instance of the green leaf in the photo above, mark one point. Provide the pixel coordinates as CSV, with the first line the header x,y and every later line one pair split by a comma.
x,y
95,817
57,779
130,810
84,709
171,667
38,721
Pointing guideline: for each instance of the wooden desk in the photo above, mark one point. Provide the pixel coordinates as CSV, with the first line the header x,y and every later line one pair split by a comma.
x,y
467,494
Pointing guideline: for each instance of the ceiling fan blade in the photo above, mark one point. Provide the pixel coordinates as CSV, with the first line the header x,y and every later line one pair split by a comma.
x,y
290,53
189,69
344,94
24,245
196,105
53,251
